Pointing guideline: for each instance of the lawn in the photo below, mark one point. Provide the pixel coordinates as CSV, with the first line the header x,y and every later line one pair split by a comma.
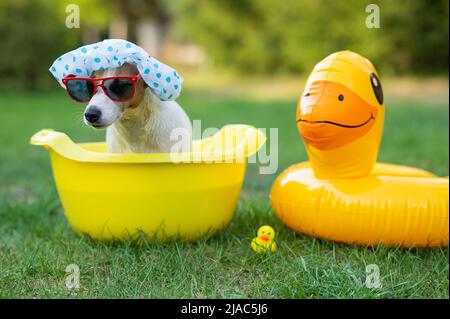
x,y
36,242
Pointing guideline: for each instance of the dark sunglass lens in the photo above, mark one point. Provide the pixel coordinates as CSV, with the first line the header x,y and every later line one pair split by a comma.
x,y
80,90
119,88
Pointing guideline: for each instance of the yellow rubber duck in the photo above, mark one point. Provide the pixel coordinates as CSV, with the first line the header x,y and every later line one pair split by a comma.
x,y
264,242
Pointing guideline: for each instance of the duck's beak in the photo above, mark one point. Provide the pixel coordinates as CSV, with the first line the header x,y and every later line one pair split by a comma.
x,y
330,115
265,237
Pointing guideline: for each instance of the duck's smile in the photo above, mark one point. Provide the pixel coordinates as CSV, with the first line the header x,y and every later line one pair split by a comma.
x,y
331,115
337,124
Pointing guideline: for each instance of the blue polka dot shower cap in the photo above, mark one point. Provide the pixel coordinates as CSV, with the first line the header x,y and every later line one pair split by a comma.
x,y
163,80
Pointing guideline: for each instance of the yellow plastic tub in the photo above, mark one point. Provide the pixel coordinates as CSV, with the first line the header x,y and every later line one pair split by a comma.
x,y
164,196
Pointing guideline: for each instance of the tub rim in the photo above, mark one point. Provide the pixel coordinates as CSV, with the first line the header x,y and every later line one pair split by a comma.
x,y
249,141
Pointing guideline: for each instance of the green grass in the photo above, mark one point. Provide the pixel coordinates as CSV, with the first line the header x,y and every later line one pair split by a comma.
x,y
36,242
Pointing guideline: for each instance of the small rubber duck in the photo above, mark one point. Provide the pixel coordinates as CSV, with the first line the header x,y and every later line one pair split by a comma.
x,y
264,242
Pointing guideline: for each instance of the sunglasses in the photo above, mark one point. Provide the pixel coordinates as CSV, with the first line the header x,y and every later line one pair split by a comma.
x,y
117,88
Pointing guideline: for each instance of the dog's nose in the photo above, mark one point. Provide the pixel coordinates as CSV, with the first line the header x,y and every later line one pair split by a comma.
x,y
92,114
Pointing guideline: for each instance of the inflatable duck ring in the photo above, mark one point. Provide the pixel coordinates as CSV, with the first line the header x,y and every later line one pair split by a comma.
x,y
341,194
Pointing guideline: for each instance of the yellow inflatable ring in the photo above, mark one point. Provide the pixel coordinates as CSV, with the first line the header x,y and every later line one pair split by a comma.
x,y
341,194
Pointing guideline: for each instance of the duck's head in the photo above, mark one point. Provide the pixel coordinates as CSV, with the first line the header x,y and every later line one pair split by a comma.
x,y
342,105
342,101
266,233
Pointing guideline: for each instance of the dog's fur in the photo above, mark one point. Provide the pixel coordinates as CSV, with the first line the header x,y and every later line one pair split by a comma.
x,y
142,125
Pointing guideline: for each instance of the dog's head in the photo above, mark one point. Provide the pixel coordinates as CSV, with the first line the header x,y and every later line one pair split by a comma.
x,y
113,57
101,110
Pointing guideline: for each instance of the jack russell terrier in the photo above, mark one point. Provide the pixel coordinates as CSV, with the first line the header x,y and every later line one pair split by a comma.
x,y
129,93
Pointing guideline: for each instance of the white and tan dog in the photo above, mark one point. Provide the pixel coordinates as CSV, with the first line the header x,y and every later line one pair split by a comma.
x,y
141,125
137,105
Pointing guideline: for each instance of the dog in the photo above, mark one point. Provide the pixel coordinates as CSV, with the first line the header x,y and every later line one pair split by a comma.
x,y
142,124
128,92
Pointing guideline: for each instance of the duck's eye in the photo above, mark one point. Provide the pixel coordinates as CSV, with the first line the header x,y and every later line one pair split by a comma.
x,y
307,94
376,86
341,97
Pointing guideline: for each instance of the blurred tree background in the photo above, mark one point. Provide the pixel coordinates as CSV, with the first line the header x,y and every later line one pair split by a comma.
x,y
290,36
252,37
31,36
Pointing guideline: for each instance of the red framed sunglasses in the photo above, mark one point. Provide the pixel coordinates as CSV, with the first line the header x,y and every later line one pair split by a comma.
x,y
117,88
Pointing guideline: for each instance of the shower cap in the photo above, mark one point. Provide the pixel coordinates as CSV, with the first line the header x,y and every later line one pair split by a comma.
x,y
163,80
